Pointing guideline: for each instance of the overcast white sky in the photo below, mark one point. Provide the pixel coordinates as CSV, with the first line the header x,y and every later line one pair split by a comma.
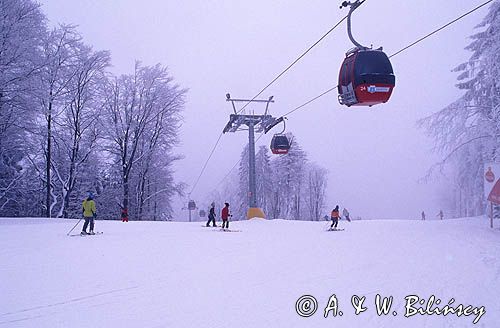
x,y
375,156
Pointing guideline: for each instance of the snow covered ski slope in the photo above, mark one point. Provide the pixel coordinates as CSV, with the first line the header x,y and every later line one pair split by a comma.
x,y
167,274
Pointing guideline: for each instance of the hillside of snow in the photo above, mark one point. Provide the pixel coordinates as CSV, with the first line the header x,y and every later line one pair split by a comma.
x,y
168,274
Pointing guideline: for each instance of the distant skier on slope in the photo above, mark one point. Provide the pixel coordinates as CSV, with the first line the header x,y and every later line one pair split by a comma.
x,y
89,214
423,215
225,216
345,213
440,214
124,215
211,215
335,216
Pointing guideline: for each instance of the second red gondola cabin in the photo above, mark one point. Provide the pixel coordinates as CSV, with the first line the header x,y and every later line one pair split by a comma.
x,y
280,144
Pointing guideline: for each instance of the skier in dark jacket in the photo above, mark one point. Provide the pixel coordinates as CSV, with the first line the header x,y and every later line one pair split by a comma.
x,y
335,216
124,214
89,214
225,216
211,216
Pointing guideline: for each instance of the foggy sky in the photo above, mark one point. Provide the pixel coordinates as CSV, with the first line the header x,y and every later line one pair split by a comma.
x,y
375,156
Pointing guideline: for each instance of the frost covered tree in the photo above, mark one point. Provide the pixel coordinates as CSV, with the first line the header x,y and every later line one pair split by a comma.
x,y
263,172
142,112
154,176
468,130
289,172
59,51
288,187
263,177
59,111
22,28
76,132
241,206
315,190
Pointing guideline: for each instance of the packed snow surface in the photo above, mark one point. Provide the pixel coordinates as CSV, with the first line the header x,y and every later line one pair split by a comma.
x,y
168,274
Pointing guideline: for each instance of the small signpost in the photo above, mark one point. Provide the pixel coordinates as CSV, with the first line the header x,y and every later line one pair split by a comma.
x,y
191,206
492,186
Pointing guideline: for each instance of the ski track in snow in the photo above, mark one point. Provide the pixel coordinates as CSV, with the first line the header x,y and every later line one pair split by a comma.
x,y
68,301
167,274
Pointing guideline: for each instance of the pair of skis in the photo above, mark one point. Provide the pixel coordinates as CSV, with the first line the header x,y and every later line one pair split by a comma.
x,y
86,235
228,230
221,229
335,229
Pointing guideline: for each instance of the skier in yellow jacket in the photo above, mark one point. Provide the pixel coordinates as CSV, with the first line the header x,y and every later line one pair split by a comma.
x,y
89,214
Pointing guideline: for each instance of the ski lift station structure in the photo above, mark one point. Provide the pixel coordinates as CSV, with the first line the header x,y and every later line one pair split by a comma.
x,y
253,123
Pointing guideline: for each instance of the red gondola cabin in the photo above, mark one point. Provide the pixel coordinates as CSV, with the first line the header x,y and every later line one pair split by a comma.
x,y
280,144
366,78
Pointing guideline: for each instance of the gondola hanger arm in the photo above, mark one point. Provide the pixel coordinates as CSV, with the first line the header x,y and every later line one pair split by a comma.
x,y
353,6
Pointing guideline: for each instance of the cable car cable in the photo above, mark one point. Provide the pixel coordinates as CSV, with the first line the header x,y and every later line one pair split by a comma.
x,y
311,100
293,63
206,163
397,53
394,54
439,29
267,86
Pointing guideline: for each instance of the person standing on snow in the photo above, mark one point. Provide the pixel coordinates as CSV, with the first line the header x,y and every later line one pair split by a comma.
x,y
225,216
440,214
345,213
89,214
124,214
423,215
335,216
211,216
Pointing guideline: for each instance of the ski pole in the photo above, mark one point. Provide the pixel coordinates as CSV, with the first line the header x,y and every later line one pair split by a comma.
x,y
73,227
327,226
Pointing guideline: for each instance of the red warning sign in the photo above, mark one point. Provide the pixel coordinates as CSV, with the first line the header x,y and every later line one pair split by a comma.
x,y
489,175
494,196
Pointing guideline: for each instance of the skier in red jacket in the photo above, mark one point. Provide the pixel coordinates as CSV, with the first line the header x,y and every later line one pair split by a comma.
x,y
335,216
225,216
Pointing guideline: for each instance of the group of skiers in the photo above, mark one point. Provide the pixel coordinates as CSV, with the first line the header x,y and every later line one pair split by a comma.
x,y
335,216
224,215
440,215
90,213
